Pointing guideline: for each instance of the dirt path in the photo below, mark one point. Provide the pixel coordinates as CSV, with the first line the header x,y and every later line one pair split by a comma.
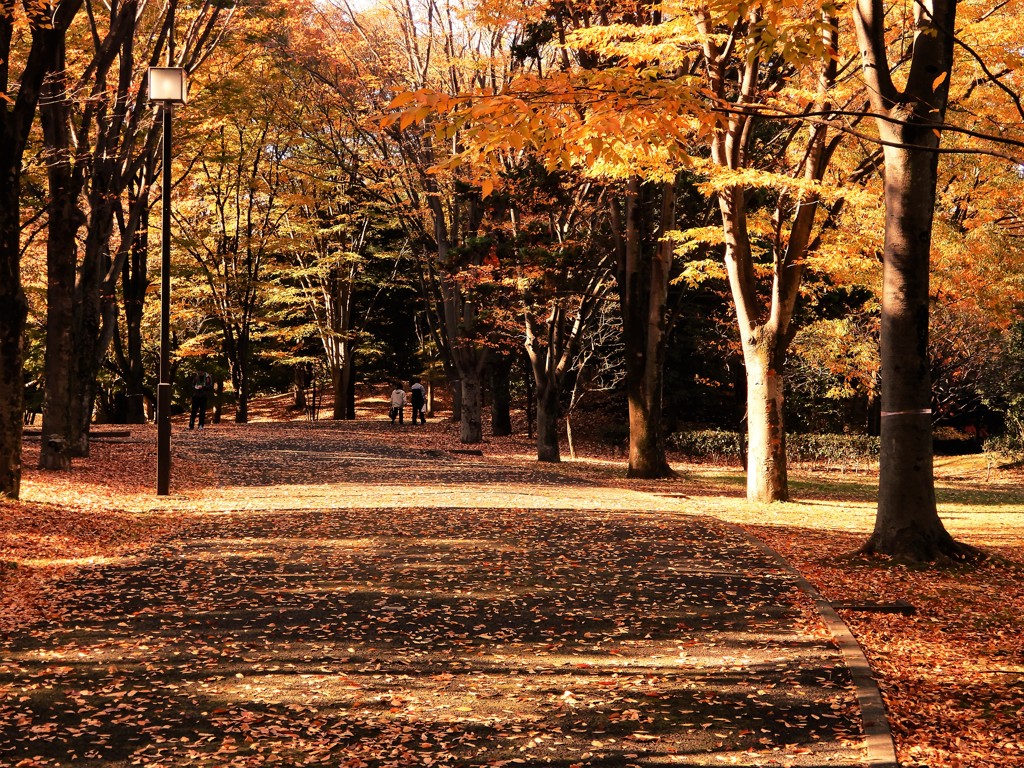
x,y
355,600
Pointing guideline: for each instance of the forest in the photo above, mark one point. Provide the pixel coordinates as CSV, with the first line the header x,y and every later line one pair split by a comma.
x,y
711,243
755,217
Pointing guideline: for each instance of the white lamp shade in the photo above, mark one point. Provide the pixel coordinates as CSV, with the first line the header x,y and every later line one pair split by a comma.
x,y
168,84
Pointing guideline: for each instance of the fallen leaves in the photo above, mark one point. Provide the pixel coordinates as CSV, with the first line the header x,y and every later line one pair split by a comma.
x,y
291,621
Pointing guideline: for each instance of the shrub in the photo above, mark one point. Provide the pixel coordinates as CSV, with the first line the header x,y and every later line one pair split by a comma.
x,y
1009,446
711,444
718,445
832,448
615,434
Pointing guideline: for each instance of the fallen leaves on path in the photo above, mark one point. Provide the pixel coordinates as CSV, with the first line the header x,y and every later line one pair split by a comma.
x,y
340,634
951,675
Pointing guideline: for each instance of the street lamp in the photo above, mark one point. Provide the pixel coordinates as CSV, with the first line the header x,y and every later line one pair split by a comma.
x,y
167,87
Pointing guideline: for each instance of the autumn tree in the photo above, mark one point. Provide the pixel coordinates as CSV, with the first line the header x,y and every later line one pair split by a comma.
x,y
909,119
561,267
373,56
232,223
101,140
47,24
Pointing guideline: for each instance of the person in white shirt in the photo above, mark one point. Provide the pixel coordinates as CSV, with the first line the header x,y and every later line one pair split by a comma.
x,y
398,405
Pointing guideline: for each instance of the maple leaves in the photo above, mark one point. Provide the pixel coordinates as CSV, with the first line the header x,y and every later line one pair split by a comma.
x,y
360,636
310,615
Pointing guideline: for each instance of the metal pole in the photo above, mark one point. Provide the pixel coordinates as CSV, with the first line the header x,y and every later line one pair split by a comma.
x,y
163,394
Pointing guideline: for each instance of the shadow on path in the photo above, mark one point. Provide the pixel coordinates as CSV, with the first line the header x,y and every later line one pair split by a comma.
x,y
424,636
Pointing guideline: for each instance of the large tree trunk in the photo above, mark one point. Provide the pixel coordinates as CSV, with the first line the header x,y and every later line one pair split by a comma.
x,y
299,402
547,422
501,396
65,220
48,31
907,524
342,382
240,381
93,298
471,423
643,279
13,310
455,388
134,282
766,451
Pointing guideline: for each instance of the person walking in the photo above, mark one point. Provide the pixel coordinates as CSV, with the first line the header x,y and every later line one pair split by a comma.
x,y
202,386
419,401
397,405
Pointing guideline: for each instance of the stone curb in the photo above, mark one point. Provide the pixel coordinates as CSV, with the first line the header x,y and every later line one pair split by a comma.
x,y
881,750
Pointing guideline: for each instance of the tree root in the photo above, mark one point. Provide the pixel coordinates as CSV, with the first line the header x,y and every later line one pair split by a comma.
x,y
923,550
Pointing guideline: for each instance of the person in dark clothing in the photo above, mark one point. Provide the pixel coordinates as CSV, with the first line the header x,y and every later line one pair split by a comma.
x,y
418,401
202,386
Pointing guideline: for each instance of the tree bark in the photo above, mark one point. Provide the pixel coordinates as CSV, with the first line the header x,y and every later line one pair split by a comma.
x,y
501,397
547,422
455,387
299,383
907,524
65,220
13,311
240,382
766,453
134,282
48,31
643,279
471,423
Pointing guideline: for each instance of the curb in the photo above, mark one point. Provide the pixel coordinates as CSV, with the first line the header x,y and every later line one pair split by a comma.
x,y
881,749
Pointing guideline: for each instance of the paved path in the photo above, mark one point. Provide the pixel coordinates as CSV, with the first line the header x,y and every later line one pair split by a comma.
x,y
315,626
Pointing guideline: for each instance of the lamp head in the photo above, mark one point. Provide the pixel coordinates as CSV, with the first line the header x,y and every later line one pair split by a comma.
x,y
168,85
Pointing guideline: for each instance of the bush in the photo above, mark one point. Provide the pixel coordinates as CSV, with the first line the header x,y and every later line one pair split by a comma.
x,y
615,434
718,445
709,444
832,448
1010,447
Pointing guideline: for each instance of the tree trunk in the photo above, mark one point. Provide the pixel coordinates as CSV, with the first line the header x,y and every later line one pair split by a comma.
x,y
570,441
48,33
471,430
455,387
299,382
349,385
766,451
65,220
128,346
13,311
501,396
342,384
529,383
339,410
93,298
643,279
907,524
547,422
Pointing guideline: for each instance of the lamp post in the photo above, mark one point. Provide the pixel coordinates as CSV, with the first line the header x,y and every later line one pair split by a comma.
x,y
167,87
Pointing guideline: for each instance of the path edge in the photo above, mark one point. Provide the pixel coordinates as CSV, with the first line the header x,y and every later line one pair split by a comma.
x,y
878,739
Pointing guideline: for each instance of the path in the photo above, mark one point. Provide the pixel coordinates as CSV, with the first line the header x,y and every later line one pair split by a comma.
x,y
353,602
